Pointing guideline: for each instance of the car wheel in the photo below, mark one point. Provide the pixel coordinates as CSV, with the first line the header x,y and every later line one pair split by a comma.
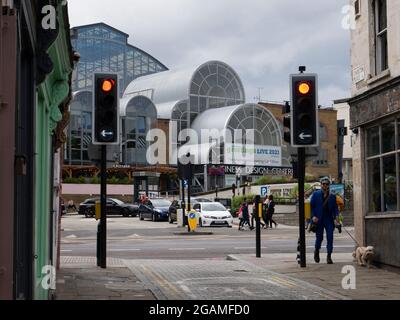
x,y
125,212
89,213
141,217
154,217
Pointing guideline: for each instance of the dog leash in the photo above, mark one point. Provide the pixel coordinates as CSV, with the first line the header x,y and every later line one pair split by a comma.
x,y
351,236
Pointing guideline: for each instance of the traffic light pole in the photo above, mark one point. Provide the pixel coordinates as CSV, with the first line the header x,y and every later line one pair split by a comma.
x,y
301,173
103,198
189,195
258,226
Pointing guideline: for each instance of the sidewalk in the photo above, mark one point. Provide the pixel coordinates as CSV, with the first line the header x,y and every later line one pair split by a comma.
x,y
80,279
273,275
371,283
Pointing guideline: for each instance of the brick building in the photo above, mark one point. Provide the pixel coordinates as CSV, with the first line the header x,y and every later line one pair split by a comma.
x,y
326,164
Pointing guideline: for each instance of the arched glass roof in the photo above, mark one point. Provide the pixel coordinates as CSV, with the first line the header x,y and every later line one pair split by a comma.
x,y
103,48
212,85
82,101
138,106
242,117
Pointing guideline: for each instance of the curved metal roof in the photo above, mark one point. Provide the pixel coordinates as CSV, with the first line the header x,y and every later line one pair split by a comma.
x,y
166,86
164,110
214,118
130,102
170,86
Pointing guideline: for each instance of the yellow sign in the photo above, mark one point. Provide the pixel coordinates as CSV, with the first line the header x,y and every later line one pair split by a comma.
x,y
260,207
192,219
307,209
98,210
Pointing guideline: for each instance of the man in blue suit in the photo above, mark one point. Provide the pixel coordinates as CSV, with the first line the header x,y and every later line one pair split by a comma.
x,y
324,212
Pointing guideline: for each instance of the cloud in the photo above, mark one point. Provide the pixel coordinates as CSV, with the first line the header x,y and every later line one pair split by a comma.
x,y
263,40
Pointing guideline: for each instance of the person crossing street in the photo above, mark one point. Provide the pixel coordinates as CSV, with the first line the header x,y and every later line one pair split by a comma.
x,y
324,212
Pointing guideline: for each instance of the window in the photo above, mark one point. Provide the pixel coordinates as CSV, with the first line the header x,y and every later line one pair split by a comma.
x,y
322,160
381,49
323,133
383,153
357,8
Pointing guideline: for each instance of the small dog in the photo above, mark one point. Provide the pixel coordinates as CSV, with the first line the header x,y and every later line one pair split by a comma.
x,y
364,256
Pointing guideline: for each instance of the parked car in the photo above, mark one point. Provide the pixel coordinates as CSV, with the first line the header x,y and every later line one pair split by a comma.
x,y
177,204
213,214
155,210
114,207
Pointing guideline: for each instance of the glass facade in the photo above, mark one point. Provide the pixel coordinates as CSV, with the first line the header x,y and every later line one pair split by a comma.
x,y
80,129
105,49
141,116
382,166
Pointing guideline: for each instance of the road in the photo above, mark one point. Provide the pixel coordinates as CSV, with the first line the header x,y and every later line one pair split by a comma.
x,y
129,238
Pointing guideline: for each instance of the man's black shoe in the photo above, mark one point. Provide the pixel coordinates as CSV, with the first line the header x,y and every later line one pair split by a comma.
x,y
329,259
316,256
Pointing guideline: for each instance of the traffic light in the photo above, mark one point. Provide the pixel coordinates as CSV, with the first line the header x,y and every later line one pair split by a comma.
x,y
106,109
286,123
304,110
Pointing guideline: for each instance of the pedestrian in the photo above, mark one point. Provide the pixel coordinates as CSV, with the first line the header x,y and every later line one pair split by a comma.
x,y
264,213
324,212
240,216
271,211
245,216
71,206
254,214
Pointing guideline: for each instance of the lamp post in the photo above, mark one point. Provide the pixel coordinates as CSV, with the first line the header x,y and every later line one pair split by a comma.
x,y
238,184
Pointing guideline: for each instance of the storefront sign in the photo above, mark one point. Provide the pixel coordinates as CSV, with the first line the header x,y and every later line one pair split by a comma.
x,y
255,155
259,171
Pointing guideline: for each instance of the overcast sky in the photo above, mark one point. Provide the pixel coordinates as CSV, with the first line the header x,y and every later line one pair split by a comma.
x,y
263,40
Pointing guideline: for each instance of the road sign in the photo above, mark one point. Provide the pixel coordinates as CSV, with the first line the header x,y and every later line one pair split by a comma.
x,y
192,219
264,191
185,184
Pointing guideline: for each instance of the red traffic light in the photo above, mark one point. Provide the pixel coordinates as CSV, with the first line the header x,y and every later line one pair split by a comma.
x,y
107,85
304,88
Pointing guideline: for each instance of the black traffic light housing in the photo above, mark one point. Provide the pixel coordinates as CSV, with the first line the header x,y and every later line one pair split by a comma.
x,y
105,109
304,110
286,123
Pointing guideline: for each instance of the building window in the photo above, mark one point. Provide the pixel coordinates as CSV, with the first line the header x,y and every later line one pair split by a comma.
x,y
323,133
383,150
322,160
357,8
381,48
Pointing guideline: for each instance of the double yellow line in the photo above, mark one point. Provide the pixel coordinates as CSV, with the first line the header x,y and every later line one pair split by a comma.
x,y
172,292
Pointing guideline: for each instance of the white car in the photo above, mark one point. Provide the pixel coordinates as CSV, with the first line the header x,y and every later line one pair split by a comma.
x,y
213,214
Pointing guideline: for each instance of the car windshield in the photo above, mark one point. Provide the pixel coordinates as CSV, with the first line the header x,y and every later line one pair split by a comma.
x,y
213,207
160,203
119,202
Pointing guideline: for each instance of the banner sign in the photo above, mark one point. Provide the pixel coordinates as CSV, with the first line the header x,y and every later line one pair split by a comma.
x,y
255,155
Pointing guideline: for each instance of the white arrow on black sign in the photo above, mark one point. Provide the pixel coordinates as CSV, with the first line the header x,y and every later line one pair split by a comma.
x,y
106,134
304,136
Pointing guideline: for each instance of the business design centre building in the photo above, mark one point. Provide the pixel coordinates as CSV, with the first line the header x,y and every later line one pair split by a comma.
x,y
207,99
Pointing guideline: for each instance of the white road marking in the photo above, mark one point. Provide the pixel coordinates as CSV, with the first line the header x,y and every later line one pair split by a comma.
x,y
186,249
247,248
118,250
66,250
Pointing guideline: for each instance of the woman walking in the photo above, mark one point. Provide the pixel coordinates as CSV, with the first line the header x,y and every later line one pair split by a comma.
x,y
271,211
